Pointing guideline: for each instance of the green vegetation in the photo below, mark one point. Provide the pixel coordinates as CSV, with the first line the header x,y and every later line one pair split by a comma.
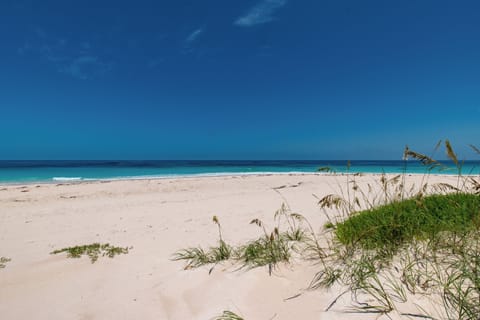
x,y
197,257
270,249
397,223
266,251
421,241
385,243
428,246
93,251
228,315
3,262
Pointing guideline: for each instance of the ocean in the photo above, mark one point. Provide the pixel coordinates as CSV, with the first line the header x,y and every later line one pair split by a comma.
x,y
39,171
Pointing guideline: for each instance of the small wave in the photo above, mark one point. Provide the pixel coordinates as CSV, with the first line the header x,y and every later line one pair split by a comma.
x,y
203,174
67,178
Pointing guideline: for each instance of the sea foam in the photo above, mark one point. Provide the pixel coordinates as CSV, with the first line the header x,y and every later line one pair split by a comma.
x,y
67,178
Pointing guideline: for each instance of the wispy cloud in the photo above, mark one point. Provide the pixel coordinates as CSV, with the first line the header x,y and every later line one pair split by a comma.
x,y
260,13
190,40
74,59
193,36
85,67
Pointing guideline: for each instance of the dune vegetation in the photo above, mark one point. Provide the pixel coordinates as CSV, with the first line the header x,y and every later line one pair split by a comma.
x,y
93,251
387,245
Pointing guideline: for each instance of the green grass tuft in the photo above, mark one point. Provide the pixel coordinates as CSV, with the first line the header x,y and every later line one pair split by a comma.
x,y
228,315
269,249
266,251
93,251
385,244
397,223
197,257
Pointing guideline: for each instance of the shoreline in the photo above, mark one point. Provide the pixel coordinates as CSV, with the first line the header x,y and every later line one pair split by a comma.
x,y
79,180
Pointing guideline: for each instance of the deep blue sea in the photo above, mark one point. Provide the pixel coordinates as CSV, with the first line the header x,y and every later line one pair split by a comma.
x,y
58,171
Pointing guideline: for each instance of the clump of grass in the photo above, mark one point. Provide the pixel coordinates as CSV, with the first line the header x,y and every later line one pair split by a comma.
x,y
446,269
270,249
353,198
399,222
386,243
428,246
298,237
197,257
93,251
267,250
228,315
423,240
4,261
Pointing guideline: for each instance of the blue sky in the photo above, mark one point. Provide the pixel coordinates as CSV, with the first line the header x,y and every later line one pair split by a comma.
x,y
216,79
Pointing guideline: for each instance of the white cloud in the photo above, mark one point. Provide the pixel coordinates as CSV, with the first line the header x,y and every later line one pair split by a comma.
x,y
188,43
76,59
194,36
260,13
76,67
85,67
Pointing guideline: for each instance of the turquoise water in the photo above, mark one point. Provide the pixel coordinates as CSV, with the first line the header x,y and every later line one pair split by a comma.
x,y
58,171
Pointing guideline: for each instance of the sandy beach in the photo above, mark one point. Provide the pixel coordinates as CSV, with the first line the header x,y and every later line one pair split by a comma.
x,y
156,218
239,160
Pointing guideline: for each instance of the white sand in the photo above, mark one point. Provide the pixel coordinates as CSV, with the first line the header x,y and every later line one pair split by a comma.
x,y
156,218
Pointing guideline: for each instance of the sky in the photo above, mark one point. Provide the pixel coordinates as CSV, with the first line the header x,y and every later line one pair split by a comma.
x,y
237,79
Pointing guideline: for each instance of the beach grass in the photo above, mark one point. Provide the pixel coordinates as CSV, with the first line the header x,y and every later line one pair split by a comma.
x,y
428,247
4,261
228,315
93,251
269,249
266,251
386,243
197,256
421,218
422,241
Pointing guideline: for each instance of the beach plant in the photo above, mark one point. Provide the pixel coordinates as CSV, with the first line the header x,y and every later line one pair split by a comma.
x,y
228,315
270,249
441,260
4,261
447,271
385,242
353,197
197,256
421,242
399,222
93,251
289,237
